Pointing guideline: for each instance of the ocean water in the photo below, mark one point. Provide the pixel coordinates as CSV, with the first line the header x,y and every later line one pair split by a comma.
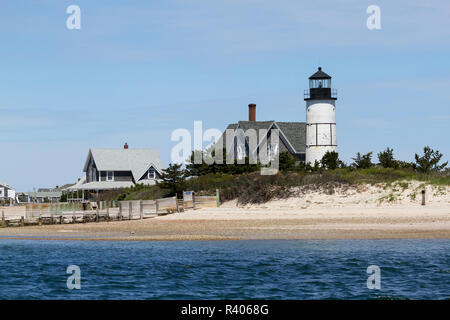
x,y
259,269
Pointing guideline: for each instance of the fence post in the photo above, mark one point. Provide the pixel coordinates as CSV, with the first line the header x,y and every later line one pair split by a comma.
x,y
217,198
141,209
96,214
130,208
423,197
120,210
193,200
107,210
22,221
3,218
157,206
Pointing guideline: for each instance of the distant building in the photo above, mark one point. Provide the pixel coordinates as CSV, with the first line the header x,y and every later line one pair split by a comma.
x,y
42,195
7,194
108,169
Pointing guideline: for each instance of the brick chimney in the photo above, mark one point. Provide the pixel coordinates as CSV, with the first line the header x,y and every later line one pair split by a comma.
x,y
125,146
252,112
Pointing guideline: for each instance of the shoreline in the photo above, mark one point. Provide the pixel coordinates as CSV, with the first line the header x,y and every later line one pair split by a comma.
x,y
215,224
361,212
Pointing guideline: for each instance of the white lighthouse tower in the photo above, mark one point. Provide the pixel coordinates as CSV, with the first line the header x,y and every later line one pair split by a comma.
x,y
320,117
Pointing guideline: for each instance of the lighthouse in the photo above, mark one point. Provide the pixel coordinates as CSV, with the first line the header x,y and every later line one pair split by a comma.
x,y
320,117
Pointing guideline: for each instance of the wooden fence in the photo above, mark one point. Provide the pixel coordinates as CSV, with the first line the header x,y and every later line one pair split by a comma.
x,y
205,202
144,208
59,213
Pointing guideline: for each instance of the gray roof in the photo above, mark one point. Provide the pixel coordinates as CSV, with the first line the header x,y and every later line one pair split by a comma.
x,y
256,125
103,185
44,194
138,161
293,132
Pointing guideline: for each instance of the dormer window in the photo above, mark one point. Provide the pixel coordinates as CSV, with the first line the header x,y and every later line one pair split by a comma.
x,y
109,175
151,173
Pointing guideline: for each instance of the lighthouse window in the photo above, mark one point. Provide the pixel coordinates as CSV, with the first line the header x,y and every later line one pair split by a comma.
x,y
320,83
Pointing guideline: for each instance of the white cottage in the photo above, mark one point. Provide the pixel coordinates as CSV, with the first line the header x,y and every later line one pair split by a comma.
x,y
7,193
108,169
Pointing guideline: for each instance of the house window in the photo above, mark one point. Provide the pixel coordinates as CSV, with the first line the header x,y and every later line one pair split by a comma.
x,y
109,175
151,173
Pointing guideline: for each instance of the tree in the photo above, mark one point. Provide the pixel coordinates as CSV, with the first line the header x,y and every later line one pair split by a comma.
x,y
203,168
363,161
174,179
429,162
313,168
286,162
386,159
405,164
197,169
330,160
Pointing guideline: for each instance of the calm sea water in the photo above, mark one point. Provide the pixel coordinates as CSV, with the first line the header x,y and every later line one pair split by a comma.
x,y
284,269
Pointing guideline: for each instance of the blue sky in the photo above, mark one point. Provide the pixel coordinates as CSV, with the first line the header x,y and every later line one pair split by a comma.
x,y
137,70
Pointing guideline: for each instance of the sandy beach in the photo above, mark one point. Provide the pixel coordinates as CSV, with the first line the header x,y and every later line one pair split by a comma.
x,y
363,212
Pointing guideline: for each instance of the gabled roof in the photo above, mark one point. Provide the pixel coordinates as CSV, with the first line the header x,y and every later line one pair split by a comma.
x,y
135,160
320,75
5,185
293,132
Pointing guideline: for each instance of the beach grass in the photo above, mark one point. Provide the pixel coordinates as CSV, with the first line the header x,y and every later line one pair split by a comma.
x,y
256,188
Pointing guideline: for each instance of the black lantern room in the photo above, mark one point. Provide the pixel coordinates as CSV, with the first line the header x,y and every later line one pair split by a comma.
x,y
320,87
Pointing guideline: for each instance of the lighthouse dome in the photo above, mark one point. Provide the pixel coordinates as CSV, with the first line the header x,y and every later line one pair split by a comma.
x,y
320,75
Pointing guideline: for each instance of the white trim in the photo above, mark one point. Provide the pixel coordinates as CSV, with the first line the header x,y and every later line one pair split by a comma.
x,y
112,176
281,136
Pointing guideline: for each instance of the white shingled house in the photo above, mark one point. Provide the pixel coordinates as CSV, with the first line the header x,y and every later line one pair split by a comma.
x,y
7,193
108,169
